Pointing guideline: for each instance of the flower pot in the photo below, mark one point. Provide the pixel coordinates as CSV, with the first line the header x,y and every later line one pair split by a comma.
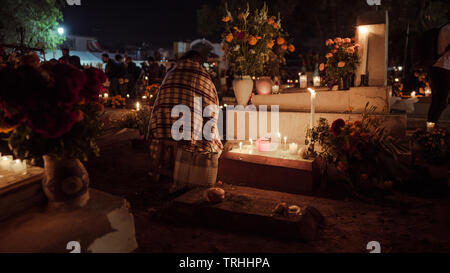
x,y
264,86
344,83
66,182
243,88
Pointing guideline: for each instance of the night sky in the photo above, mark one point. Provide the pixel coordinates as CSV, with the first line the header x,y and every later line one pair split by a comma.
x,y
131,22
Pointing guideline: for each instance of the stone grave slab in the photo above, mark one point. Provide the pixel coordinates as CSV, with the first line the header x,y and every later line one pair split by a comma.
x,y
248,210
105,225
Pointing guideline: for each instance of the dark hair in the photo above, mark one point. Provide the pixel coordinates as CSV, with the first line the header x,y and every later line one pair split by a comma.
x,y
118,57
75,61
105,55
65,49
193,55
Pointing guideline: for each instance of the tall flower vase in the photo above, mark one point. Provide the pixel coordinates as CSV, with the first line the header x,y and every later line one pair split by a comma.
x,y
66,182
264,86
243,88
344,83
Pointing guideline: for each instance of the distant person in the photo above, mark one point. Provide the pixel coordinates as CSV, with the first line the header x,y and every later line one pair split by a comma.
x,y
65,56
188,80
440,74
153,70
132,74
111,71
162,71
75,61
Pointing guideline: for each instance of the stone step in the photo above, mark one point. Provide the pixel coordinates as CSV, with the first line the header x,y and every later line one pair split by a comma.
x,y
248,210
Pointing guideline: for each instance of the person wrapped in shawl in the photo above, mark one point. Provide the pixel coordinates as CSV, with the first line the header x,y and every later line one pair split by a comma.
x,y
185,84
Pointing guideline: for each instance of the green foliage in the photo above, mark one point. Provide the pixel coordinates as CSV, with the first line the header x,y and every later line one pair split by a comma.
x,y
356,149
31,22
139,120
78,143
434,145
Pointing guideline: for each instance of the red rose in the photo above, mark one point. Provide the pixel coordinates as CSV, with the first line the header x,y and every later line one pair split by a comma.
x,y
336,127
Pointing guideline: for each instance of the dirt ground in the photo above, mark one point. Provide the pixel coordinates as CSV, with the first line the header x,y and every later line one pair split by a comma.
x,y
419,225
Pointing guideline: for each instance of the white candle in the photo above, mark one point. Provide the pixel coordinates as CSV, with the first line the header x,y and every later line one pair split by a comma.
x,y
240,146
293,148
17,167
313,107
364,42
316,81
5,162
285,141
138,106
251,141
303,80
427,92
413,94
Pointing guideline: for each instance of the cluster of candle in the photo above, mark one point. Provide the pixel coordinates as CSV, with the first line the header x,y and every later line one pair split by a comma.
x,y
7,163
304,81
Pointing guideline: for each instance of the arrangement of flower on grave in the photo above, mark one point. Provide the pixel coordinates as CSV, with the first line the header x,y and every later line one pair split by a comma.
x,y
341,62
361,151
433,146
52,111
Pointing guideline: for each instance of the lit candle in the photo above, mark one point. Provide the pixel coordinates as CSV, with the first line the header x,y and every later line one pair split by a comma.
x,y
144,97
303,80
5,162
240,146
316,81
285,141
413,94
251,141
275,89
17,167
428,92
293,148
138,106
430,126
128,96
313,107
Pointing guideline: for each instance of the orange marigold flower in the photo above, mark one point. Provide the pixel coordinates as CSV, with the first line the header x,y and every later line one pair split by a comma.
x,y
7,130
341,64
329,55
347,40
275,25
240,16
351,50
270,44
270,21
226,19
252,40
80,115
280,41
228,38
291,48
284,47
321,66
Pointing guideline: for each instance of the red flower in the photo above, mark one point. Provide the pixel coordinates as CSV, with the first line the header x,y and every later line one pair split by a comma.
x,y
336,127
240,35
94,84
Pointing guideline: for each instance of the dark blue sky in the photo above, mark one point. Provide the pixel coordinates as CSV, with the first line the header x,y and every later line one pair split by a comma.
x,y
117,22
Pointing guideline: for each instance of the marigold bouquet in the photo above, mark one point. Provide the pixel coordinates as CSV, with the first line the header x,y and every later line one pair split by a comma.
x,y
342,59
253,39
435,145
358,149
51,109
118,102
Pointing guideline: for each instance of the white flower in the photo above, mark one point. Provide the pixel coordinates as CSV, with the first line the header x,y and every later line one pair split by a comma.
x,y
237,48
